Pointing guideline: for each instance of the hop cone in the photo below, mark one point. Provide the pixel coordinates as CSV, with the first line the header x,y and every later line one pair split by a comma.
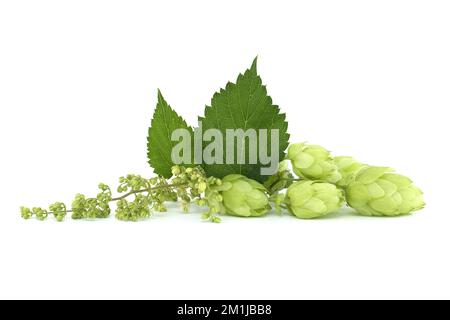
x,y
244,197
309,199
348,168
377,191
313,162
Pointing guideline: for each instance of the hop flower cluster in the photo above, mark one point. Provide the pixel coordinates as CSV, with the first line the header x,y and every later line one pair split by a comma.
x,y
58,209
139,197
92,208
39,213
148,195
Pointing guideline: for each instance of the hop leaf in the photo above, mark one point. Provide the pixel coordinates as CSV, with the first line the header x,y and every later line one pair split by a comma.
x,y
165,121
244,105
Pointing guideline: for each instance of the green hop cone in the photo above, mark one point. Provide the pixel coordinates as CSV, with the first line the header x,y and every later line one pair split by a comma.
x,y
348,168
378,191
310,199
244,197
313,162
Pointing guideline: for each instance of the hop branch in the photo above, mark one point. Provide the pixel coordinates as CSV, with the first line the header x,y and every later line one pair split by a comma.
x,y
138,197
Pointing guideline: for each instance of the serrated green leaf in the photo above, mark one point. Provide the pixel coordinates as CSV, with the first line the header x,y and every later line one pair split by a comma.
x,y
244,105
165,121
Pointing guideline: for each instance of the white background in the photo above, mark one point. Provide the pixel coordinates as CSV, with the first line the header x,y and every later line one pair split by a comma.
x,y
78,83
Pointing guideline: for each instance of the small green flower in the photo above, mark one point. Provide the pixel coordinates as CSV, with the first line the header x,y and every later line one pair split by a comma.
x,y
201,186
26,213
176,170
378,191
59,210
312,162
79,209
309,199
244,197
41,214
348,168
213,198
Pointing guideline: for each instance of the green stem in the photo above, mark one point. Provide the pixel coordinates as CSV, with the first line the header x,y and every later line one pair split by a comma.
x,y
147,190
282,205
284,179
